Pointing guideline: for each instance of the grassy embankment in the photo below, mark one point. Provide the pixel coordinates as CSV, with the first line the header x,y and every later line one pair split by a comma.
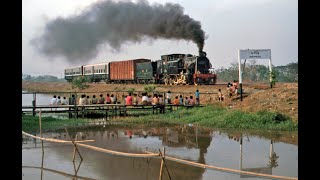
x,y
209,116
220,117
31,123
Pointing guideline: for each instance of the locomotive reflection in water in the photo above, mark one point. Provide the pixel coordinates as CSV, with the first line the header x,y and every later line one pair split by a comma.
x,y
170,69
273,153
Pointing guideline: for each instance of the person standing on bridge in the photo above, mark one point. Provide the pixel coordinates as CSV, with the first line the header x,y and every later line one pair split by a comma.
x,y
72,100
197,94
168,97
180,99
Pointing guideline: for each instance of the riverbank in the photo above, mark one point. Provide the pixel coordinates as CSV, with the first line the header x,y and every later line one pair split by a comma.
x,y
282,98
214,116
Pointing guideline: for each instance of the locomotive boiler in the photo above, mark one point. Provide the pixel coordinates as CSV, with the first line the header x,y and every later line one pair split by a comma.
x,y
185,69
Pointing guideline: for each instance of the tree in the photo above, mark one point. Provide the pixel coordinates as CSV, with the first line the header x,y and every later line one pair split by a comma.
x,y
28,78
131,90
273,78
80,82
149,88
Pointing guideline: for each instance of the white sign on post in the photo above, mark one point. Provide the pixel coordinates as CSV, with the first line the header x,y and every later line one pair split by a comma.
x,y
255,54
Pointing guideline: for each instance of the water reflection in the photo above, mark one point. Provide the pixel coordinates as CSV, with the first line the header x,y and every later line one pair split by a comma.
x,y
257,153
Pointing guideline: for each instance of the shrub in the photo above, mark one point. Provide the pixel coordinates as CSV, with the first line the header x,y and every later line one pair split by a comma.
x,y
131,90
80,82
149,88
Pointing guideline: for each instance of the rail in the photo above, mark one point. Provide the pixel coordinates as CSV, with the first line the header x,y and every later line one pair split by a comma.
x,y
104,109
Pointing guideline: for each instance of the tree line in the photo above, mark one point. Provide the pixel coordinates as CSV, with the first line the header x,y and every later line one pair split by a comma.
x,y
44,78
253,72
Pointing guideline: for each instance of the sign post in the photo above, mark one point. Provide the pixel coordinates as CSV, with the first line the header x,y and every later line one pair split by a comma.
x,y
254,54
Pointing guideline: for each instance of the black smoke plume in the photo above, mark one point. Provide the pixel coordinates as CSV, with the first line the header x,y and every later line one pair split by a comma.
x,y
78,37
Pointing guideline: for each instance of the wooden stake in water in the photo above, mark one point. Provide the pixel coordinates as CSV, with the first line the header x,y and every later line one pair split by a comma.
x,y
161,166
164,162
41,144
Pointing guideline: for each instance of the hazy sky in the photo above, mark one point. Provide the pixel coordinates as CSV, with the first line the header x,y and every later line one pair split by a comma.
x,y
228,24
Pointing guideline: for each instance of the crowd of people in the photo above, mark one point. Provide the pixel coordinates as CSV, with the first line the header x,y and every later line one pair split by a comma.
x,y
130,99
232,90
146,99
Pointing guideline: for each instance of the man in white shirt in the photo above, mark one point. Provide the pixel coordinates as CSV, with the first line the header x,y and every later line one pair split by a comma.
x,y
145,99
54,100
58,102
65,101
168,97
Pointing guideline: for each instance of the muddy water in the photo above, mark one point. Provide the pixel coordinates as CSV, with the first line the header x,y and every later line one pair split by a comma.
x,y
41,99
213,147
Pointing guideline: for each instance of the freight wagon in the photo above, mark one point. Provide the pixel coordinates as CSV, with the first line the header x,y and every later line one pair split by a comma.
x,y
131,71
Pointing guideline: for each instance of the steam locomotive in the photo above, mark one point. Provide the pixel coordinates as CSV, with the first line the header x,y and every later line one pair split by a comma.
x,y
170,69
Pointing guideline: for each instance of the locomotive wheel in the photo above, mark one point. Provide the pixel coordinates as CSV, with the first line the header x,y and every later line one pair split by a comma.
x,y
211,81
199,81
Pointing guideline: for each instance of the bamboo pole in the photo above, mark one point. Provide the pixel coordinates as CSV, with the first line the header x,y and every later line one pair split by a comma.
x,y
164,162
74,144
161,165
73,160
74,152
54,140
95,148
42,159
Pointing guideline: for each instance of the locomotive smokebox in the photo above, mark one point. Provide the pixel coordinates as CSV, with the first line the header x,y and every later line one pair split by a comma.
x,y
202,53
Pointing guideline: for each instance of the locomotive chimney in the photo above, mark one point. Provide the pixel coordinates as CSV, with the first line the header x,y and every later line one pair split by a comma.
x,y
202,53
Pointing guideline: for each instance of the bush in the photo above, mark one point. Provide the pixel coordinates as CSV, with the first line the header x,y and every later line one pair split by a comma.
x,y
80,82
131,90
149,88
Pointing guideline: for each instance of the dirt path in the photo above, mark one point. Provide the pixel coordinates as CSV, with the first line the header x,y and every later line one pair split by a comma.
x,y
282,98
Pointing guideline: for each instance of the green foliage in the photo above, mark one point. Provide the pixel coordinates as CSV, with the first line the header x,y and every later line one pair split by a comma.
x,y
259,73
131,90
220,117
80,82
273,78
209,116
288,73
149,88
44,78
31,123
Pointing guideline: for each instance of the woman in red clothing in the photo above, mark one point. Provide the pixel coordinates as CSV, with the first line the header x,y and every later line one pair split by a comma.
x,y
108,99
129,99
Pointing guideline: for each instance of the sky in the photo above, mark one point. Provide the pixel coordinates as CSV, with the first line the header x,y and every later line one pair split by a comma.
x,y
229,25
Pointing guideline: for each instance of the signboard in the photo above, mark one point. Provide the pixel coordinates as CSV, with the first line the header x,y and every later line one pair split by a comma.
x,y
255,54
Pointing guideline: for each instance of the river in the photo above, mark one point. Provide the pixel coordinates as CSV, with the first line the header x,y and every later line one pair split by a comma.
x,y
214,147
